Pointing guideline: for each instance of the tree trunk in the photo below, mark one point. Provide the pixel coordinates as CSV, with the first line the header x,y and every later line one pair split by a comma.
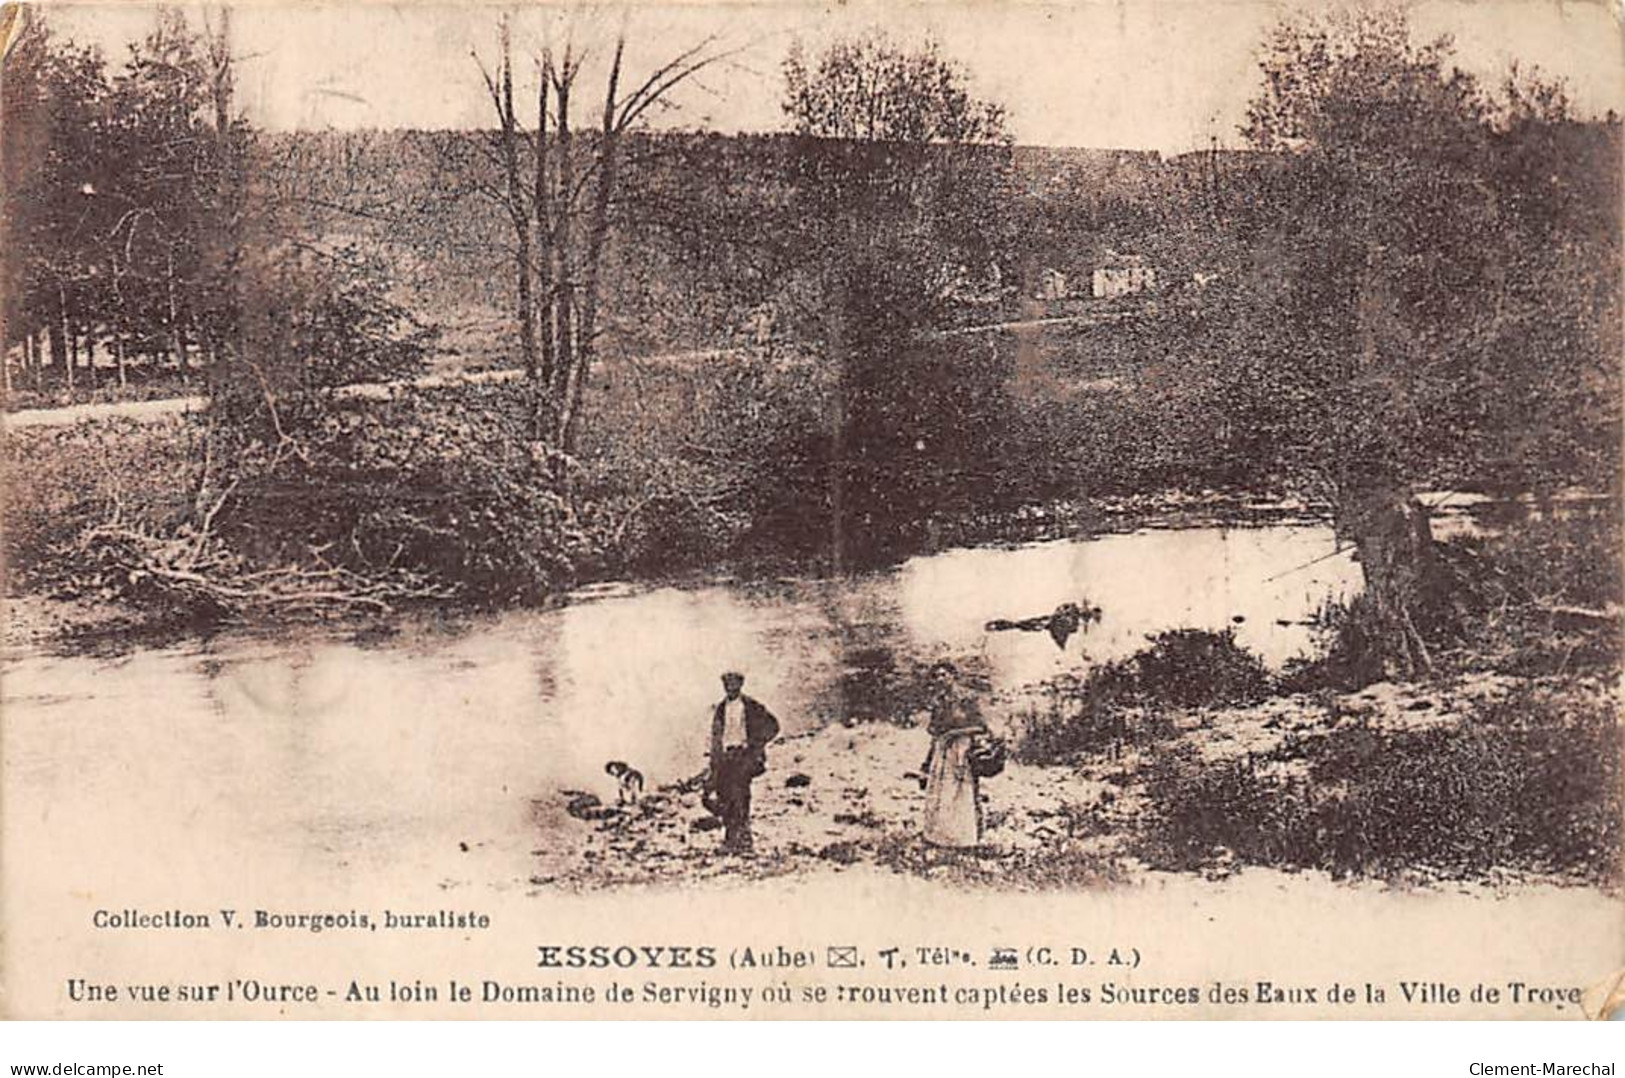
x,y
88,333
542,207
528,220
220,324
836,340
563,272
597,234
64,327
1404,582
517,210
177,339
56,342
121,323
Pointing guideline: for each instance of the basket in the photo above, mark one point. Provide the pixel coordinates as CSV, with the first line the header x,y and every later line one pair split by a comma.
x,y
986,757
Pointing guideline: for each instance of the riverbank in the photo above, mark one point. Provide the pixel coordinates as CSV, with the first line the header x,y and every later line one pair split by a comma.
x,y
841,798
1503,769
48,619
86,626
433,499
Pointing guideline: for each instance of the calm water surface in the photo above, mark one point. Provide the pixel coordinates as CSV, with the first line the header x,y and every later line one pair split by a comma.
x,y
324,757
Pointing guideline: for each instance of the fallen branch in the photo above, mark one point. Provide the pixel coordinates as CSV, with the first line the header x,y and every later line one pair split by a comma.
x,y
200,574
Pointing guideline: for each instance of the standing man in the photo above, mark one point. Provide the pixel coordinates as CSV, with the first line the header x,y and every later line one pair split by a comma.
x,y
740,731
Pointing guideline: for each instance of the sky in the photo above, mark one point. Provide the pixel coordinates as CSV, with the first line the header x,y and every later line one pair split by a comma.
x,y
1167,75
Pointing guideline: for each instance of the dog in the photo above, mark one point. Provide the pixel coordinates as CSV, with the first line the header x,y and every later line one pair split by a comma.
x,y
630,779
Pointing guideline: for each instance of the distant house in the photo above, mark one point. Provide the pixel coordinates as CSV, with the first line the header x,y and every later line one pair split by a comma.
x,y
1122,275
1051,285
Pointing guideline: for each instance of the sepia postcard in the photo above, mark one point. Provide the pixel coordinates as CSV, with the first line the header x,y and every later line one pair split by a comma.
x,y
1086,510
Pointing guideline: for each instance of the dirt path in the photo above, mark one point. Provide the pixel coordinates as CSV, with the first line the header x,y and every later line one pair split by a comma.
x,y
141,411
151,411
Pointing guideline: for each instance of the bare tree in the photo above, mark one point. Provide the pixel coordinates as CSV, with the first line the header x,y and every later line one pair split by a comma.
x,y
558,193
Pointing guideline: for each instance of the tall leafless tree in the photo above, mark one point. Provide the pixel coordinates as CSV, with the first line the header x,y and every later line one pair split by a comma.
x,y
558,192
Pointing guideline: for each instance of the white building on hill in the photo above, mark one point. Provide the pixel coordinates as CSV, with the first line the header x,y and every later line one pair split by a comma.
x,y
1122,275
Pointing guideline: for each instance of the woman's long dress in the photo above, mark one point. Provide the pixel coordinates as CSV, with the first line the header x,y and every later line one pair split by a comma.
x,y
953,816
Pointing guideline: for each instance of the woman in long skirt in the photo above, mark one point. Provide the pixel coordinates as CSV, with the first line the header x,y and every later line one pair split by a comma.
x,y
953,812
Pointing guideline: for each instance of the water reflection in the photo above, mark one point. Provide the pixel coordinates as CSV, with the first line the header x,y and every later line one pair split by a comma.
x,y
1204,578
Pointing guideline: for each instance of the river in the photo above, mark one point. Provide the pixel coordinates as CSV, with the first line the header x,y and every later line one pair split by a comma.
x,y
388,755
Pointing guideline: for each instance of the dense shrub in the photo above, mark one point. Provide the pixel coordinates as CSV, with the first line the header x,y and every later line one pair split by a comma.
x,y
1546,593
441,487
1534,596
1181,669
1351,655
1530,783
717,459
427,494
1196,668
